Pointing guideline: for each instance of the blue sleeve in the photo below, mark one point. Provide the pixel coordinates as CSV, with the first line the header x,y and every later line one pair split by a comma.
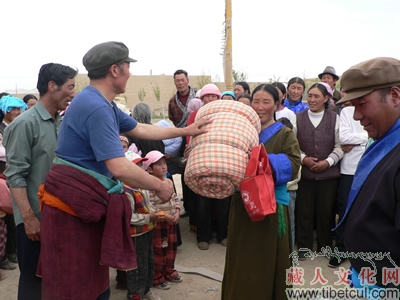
x,y
103,135
281,168
126,122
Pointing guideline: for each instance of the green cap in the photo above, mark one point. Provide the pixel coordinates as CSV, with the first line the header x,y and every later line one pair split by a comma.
x,y
106,54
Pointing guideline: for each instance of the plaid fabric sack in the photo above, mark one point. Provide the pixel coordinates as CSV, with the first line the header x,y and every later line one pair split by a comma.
x,y
218,159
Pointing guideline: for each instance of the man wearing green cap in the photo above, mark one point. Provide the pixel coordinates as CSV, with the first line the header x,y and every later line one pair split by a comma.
x,y
83,187
372,217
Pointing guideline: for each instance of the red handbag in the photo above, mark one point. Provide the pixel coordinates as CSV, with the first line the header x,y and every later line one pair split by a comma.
x,y
258,188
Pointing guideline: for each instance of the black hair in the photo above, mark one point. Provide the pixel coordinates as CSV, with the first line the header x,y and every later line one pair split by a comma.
x,y
245,86
296,80
269,88
3,94
245,95
280,86
180,71
152,165
383,92
323,90
98,74
28,97
102,73
1,113
54,72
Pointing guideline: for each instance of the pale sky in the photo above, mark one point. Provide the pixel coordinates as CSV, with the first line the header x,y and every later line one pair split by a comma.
x,y
271,39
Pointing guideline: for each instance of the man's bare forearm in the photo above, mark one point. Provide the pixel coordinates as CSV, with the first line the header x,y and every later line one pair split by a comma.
x,y
20,196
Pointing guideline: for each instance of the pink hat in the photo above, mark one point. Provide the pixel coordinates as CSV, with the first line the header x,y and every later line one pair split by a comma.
x,y
210,89
135,149
133,157
328,88
152,157
123,139
194,104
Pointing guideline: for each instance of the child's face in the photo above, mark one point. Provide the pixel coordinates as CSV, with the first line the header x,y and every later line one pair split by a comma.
x,y
159,168
124,145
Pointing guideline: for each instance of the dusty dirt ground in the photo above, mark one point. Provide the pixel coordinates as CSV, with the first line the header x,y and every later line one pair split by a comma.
x,y
194,287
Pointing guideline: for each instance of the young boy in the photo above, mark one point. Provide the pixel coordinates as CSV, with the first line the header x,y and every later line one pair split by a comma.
x,y
143,221
165,237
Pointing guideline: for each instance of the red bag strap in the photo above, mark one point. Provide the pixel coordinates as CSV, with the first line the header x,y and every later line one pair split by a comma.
x,y
258,161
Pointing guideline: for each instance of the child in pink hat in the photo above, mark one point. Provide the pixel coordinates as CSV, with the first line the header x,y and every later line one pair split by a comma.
x,y
143,221
165,237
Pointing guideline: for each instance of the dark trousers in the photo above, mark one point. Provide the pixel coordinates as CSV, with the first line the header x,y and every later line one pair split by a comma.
x,y
30,286
140,280
317,196
186,194
343,194
105,295
204,218
11,235
190,200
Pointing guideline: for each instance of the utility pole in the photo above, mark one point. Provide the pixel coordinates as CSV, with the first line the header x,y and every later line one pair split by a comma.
x,y
228,45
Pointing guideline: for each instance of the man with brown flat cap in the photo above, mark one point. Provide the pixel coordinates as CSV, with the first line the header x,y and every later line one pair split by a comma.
x,y
83,199
372,218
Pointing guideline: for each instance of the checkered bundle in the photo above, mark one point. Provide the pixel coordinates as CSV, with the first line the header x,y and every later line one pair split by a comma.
x,y
218,159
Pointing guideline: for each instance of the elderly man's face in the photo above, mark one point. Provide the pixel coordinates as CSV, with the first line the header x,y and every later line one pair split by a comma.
x,y
376,112
181,83
328,78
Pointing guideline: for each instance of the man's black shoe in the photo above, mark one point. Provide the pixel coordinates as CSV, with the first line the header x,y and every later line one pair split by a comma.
x,y
302,255
334,262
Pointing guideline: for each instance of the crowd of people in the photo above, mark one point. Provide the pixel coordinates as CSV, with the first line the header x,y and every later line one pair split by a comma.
x,y
102,179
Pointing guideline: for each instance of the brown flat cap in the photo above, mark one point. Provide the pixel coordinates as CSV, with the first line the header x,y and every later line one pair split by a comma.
x,y
106,54
368,76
